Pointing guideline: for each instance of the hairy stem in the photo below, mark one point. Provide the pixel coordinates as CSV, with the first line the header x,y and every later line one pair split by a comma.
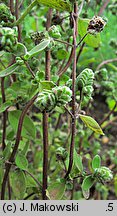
x,y
4,114
18,137
73,96
17,16
45,116
11,6
45,154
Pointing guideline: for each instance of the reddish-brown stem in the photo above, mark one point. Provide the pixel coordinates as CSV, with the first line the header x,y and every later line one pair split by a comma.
x,y
11,6
80,51
82,39
45,154
62,71
73,189
29,68
45,117
38,183
105,62
18,137
30,195
47,65
73,98
64,42
9,189
103,7
17,16
4,127
4,114
108,115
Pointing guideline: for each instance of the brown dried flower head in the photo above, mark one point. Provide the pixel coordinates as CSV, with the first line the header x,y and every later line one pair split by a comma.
x,y
96,25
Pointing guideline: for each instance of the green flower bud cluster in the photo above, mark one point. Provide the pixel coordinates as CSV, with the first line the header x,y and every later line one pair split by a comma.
x,y
6,18
103,173
61,154
54,32
47,100
19,61
38,76
8,39
63,95
84,82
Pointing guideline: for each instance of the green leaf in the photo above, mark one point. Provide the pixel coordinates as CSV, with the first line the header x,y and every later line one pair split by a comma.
x,y
64,78
30,182
46,85
5,105
86,193
56,190
62,54
87,183
96,162
91,40
20,50
18,183
55,78
21,161
7,151
28,129
9,70
38,48
111,103
91,123
78,161
25,149
57,4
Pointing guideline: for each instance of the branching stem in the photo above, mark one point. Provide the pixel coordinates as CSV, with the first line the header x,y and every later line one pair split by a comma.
x,y
18,137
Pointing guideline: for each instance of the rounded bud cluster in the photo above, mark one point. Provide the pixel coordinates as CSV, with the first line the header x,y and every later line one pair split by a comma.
x,y
6,18
104,173
8,39
19,61
47,100
61,154
84,82
54,32
63,95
